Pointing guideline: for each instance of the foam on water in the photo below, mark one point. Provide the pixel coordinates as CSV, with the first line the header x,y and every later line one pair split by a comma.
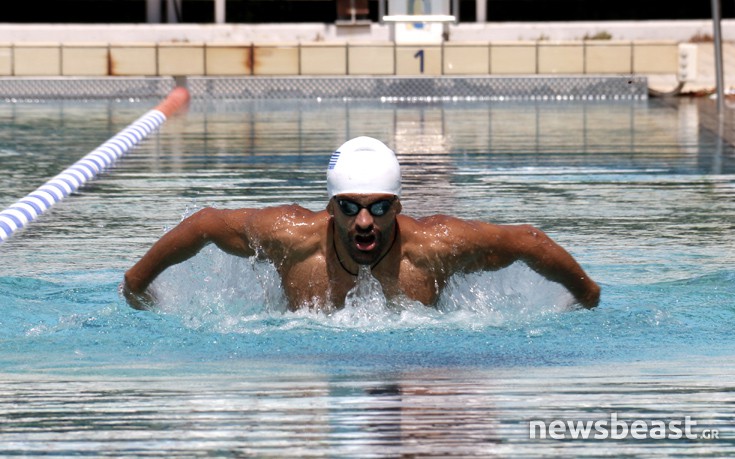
x,y
217,291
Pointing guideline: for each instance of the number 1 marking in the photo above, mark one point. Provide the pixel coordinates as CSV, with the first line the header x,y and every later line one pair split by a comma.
x,y
420,55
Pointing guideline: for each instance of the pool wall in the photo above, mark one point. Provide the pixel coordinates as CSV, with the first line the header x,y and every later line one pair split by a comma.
x,y
374,58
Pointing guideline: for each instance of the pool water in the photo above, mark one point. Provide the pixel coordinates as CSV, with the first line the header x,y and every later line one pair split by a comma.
x,y
637,191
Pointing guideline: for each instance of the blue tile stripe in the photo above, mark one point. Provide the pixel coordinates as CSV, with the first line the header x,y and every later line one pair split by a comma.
x,y
32,206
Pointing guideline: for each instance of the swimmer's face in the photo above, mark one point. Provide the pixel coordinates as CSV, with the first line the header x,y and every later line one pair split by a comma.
x,y
365,224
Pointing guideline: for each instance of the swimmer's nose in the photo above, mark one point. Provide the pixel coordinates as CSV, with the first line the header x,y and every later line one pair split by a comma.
x,y
364,220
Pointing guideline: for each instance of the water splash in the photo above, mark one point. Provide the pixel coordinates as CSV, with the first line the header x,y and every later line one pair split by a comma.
x,y
366,307
513,294
367,290
219,291
228,294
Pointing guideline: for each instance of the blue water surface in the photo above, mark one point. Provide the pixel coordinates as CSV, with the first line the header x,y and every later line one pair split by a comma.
x,y
637,191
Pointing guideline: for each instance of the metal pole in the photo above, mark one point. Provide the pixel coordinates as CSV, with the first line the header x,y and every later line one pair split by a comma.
x,y
718,56
153,11
481,11
173,11
219,11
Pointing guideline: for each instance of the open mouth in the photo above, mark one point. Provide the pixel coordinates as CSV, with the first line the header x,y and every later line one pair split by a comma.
x,y
365,242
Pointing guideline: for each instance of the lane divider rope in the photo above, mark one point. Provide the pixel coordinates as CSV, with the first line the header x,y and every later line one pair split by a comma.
x,y
27,209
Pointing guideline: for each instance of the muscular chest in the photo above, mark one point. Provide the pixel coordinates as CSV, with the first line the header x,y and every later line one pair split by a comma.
x,y
307,283
311,282
412,282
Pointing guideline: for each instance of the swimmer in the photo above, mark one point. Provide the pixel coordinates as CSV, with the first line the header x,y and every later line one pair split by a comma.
x,y
318,254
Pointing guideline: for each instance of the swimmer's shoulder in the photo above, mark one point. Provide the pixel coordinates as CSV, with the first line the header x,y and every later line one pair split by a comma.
x,y
429,231
425,240
298,214
286,228
291,219
285,213
436,222
442,231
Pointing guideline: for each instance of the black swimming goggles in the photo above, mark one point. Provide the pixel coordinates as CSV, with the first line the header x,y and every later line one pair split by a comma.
x,y
376,209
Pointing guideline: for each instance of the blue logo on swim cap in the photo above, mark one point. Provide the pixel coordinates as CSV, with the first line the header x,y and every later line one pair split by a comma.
x,y
333,160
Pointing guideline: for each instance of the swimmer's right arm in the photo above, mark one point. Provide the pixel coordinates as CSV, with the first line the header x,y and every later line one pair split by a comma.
x,y
225,228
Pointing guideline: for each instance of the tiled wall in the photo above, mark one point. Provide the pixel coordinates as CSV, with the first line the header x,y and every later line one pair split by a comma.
x,y
331,58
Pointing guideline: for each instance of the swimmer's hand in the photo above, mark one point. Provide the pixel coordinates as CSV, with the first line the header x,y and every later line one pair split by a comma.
x,y
141,301
592,296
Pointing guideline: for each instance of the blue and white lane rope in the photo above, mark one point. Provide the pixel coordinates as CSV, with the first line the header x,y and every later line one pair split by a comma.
x,y
26,210
35,204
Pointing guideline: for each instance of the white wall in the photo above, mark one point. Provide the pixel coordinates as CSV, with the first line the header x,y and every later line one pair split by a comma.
x,y
239,33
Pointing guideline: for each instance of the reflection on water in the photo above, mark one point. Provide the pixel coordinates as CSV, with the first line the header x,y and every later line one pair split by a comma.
x,y
478,413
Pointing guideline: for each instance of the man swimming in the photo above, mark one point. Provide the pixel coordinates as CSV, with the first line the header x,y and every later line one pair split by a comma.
x,y
318,254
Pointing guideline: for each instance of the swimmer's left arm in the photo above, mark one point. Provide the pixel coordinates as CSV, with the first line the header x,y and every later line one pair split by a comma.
x,y
532,246
483,246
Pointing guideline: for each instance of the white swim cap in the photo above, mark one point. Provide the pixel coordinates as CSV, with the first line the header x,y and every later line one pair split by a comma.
x,y
363,165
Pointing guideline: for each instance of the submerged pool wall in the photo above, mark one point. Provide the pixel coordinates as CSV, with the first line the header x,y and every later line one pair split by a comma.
x,y
464,58
388,88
